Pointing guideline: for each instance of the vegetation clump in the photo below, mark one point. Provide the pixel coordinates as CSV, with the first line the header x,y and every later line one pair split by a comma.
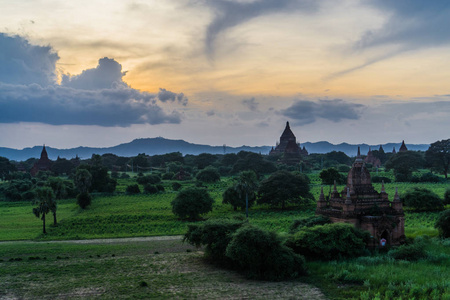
x,y
208,175
192,202
302,223
260,254
443,224
329,241
422,199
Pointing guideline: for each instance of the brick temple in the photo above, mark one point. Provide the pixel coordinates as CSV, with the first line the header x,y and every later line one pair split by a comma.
x,y
361,205
288,147
43,164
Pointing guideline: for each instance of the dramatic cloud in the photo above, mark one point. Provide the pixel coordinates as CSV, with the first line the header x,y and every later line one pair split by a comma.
x,y
165,95
97,96
305,112
108,74
22,63
232,13
251,104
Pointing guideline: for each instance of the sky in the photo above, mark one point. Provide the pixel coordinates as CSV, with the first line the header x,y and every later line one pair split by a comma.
x,y
103,72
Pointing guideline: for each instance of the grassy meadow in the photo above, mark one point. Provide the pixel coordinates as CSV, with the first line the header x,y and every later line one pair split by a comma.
x,y
50,267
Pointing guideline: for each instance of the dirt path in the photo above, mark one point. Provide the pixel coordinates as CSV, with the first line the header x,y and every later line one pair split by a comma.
x,y
105,241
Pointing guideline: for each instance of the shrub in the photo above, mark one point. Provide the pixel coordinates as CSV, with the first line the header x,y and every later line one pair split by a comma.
x,y
168,176
152,179
343,168
124,176
114,174
215,235
150,189
422,199
160,188
133,189
428,177
299,224
261,254
379,179
447,197
411,252
191,203
330,175
84,200
208,175
443,224
329,241
176,186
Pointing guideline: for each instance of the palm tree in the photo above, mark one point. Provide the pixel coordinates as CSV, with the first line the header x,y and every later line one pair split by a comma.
x,y
247,183
45,202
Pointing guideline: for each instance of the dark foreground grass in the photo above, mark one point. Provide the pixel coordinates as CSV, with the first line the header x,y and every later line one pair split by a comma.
x,y
381,277
158,269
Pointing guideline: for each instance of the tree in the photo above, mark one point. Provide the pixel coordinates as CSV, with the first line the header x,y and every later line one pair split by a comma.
x,y
404,163
254,162
422,199
191,203
243,192
438,156
5,167
443,224
209,174
282,188
205,159
330,175
45,203
247,184
83,180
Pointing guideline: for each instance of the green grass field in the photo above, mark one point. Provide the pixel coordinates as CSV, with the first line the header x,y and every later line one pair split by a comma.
x,y
164,269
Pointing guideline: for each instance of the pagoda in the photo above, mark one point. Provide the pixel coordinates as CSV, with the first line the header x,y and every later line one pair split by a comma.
x,y
43,164
361,205
288,147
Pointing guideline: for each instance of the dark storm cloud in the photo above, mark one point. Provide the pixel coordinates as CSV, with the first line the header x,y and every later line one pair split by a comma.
x,y
97,96
23,63
228,14
304,112
251,104
165,95
60,105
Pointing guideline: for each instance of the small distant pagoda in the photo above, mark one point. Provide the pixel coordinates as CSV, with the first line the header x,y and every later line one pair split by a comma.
x,y
361,205
403,147
371,159
43,164
288,147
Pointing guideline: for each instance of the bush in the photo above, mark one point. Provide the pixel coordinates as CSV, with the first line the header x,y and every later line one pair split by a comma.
x,y
133,189
215,235
299,224
379,179
152,179
422,199
261,254
412,252
160,188
150,189
428,177
124,176
208,175
168,176
191,203
329,241
447,197
330,175
443,224
84,200
176,186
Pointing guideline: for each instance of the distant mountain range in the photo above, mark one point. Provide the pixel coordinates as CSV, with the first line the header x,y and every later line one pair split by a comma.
x,y
159,145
